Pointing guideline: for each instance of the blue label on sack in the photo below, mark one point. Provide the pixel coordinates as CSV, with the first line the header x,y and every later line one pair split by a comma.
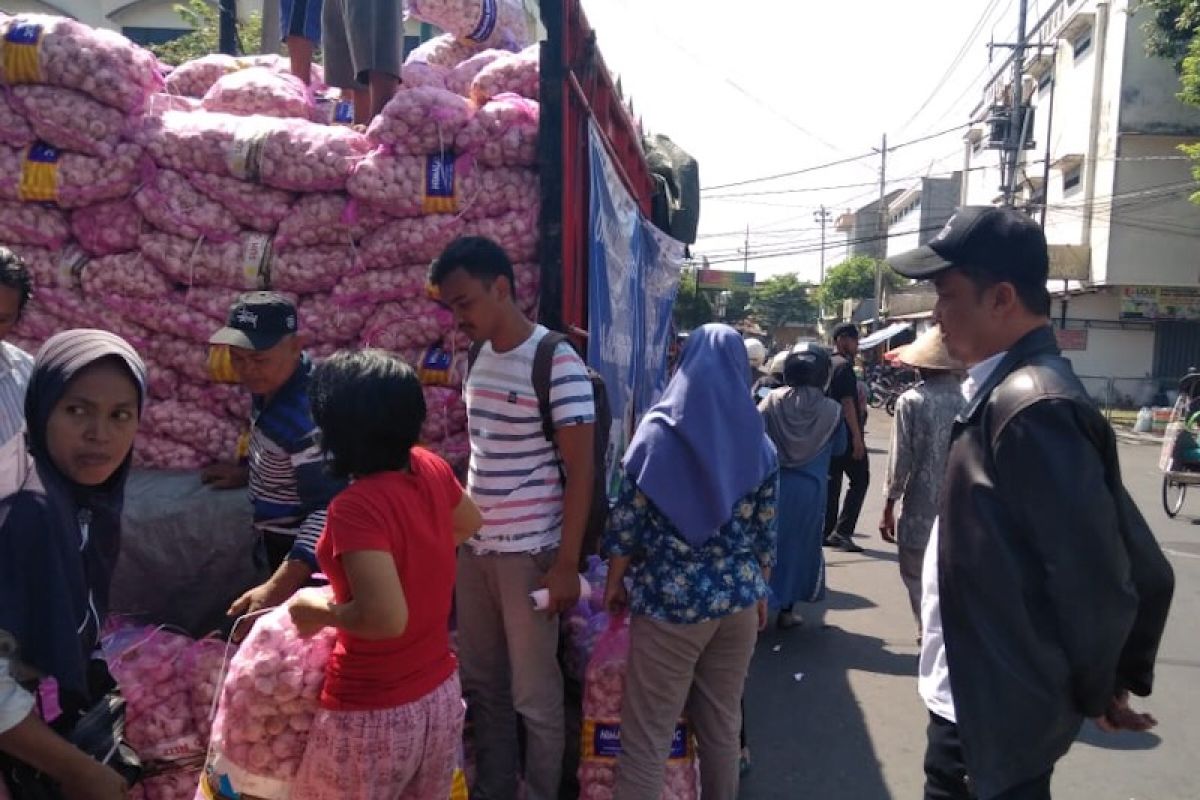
x,y
439,176
24,33
679,742
43,153
343,113
606,740
488,15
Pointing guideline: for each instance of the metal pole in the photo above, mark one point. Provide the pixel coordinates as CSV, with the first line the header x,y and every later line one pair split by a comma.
x,y
883,228
746,251
227,39
823,216
272,33
1016,131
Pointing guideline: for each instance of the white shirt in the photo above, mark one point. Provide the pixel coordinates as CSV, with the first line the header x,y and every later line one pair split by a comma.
x,y
15,368
15,702
933,681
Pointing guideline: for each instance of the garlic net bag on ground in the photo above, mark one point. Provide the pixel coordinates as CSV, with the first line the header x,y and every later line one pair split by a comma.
x,y
496,23
326,218
259,207
259,90
267,706
169,202
28,223
108,227
57,51
421,120
503,133
44,174
516,74
69,119
601,743
194,78
412,186
203,664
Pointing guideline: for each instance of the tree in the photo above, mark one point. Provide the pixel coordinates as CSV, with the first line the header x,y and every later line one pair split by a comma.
x,y
202,17
782,299
853,279
692,308
1172,29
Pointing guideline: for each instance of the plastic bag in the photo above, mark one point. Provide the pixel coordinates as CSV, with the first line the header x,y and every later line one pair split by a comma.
x,y
421,120
108,227
44,174
169,202
497,23
28,223
516,74
603,692
147,664
69,119
57,51
413,186
175,784
259,90
267,706
504,133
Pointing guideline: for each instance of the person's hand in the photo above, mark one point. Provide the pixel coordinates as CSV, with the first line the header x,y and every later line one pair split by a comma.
x,y
1120,716
616,597
95,781
887,525
762,614
267,595
226,476
563,583
859,451
309,612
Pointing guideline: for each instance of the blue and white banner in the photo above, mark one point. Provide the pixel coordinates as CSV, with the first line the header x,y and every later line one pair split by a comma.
x,y
633,277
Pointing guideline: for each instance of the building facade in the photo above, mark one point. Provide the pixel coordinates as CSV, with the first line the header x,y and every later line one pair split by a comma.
x,y
1105,170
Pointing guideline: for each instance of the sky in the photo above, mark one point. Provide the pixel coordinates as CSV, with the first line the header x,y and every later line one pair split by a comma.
x,y
763,87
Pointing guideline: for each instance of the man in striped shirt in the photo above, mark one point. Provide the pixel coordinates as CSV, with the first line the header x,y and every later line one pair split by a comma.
x,y
535,496
289,486
15,364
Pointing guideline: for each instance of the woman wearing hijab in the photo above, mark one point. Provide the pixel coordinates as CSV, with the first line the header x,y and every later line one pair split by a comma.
x,y
807,429
62,490
694,527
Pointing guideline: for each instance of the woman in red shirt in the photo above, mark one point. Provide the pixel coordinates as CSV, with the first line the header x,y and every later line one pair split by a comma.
x,y
391,714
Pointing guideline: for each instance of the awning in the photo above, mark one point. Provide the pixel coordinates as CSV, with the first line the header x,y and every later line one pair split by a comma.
x,y
881,336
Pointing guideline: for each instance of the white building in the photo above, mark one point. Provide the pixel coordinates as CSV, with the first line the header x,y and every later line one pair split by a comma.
x,y
1106,165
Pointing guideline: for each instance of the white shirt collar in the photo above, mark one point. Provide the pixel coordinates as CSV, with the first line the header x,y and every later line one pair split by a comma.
x,y
978,375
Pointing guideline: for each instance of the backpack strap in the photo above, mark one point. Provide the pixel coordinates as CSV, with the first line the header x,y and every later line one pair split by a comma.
x,y
543,366
473,355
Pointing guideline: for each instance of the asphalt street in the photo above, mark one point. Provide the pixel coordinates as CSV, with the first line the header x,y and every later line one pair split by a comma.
x,y
832,709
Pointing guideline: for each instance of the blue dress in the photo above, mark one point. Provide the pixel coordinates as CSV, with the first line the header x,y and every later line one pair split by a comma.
x,y
799,574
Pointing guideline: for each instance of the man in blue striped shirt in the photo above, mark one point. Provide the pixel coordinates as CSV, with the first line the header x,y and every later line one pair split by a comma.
x,y
288,483
15,364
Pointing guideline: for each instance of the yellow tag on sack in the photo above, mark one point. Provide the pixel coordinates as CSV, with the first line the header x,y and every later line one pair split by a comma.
x,y
220,365
19,53
39,174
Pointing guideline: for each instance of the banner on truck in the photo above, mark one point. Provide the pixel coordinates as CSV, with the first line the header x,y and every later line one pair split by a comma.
x,y
633,277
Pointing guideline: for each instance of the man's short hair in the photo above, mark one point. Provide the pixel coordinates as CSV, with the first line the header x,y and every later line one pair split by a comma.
x,y
1033,295
15,275
478,256
845,329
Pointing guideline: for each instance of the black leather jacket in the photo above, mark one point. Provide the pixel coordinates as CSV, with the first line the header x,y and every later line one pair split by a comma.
x,y
1054,592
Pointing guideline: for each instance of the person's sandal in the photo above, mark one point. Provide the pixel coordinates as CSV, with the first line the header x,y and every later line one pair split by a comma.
x,y
788,620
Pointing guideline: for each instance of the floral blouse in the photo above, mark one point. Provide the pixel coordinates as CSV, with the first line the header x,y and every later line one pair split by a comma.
x,y
675,582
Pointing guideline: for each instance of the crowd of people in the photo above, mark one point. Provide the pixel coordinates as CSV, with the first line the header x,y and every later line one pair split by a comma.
x,y
1039,591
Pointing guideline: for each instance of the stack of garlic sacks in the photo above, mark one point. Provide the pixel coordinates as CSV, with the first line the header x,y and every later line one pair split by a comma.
x,y
229,175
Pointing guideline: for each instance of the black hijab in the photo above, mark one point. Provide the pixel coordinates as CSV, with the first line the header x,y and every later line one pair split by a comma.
x,y
59,540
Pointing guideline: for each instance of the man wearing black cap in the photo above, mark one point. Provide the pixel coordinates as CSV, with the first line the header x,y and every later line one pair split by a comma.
x,y
1045,594
853,464
289,486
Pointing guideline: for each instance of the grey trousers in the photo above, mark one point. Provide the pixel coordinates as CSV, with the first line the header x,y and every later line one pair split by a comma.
x,y
700,669
508,661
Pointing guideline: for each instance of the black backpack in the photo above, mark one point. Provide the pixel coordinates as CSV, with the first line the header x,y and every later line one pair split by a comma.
x,y
543,362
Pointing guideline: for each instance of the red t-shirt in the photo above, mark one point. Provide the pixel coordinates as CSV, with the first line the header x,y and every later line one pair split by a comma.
x,y
408,514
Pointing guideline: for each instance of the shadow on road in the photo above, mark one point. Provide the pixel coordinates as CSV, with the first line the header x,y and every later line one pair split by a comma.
x,y
1125,741
806,730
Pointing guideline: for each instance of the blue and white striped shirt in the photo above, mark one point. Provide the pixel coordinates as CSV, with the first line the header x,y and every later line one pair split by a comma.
x,y
15,368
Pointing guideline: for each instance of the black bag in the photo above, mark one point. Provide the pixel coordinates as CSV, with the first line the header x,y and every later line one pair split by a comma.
x,y
99,733
543,362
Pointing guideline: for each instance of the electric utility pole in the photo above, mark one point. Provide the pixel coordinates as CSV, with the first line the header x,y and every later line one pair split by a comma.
x,y
883,227
1015,141
823,216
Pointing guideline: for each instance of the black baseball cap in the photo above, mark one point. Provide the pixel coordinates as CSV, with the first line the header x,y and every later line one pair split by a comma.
x,y
845,329
1003,242
258,321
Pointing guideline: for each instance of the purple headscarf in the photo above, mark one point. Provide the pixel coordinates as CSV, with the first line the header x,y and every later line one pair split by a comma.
x,y
703,446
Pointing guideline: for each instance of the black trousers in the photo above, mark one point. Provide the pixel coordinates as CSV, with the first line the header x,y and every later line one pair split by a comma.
x,y
859,473
946,769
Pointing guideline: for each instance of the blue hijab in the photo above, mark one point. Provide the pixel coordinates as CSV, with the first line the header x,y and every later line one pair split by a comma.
x,y
703,446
